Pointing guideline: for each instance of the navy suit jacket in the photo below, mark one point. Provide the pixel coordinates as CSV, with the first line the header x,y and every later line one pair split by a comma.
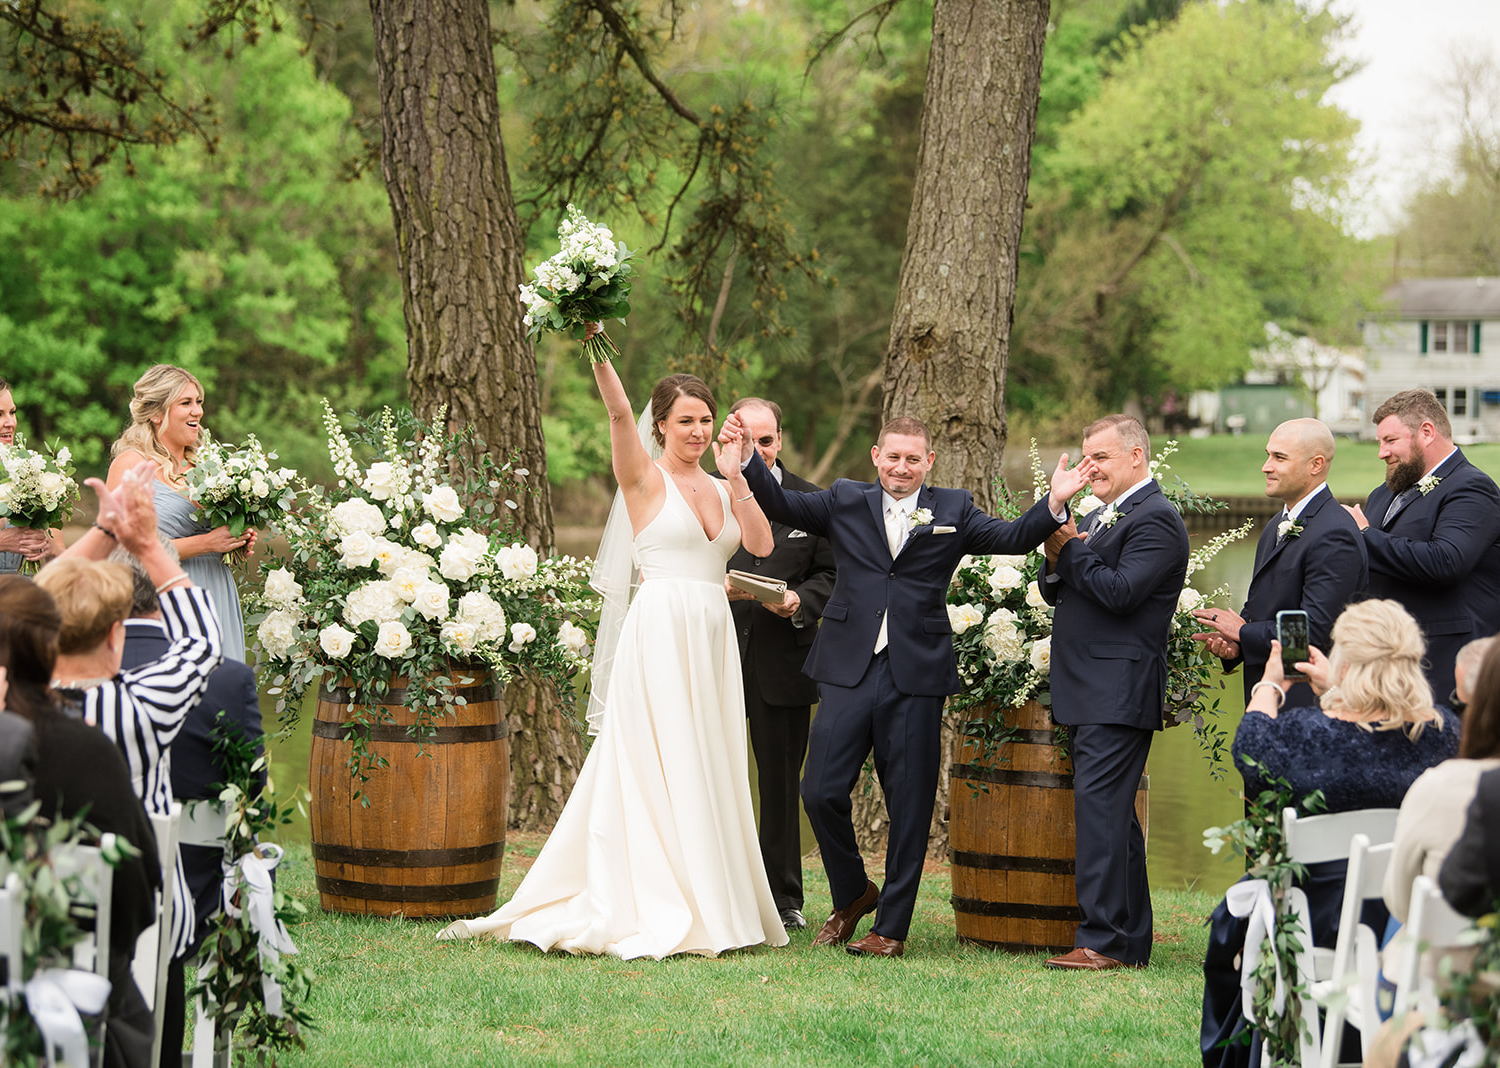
x,y
912,588
1320,571
1440,557
1115,599
770,645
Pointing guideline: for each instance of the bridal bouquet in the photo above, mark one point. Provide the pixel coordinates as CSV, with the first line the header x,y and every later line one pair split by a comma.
x,y
38,489
235,486
1002,627
586,281
402,570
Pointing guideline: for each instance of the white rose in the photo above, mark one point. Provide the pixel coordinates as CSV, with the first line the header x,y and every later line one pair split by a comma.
x,y
458,562
377,600
281,589
380,481
426,535
1188,599
53,484
443,504
521,634
460,634
1041,655
394,639
408,580
358,549
432,601
63,455
1005,578
963,616
388,556
336,640
575,640
997,562
357,515
517,562
1087,505
278,632
1034,596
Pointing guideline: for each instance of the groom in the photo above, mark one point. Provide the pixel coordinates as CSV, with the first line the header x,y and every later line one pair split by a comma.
x,y
883,657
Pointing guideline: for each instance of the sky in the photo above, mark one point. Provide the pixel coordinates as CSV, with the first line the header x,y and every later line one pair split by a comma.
x,y
1405,45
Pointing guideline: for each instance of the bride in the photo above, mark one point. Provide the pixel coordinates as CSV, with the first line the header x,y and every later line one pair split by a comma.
x,y
655,852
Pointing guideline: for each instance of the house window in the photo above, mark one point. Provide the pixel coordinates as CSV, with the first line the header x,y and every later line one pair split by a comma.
x,y
1460,402
1439,337
1459,335
1442,397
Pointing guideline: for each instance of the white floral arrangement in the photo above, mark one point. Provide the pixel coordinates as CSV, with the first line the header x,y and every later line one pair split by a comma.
x,y
586,281
38,490
236,486
400,572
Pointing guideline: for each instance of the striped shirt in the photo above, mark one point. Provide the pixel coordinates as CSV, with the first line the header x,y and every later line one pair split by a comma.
x,y
143,709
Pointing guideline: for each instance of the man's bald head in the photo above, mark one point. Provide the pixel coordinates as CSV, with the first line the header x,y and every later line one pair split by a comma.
x,y
1298,454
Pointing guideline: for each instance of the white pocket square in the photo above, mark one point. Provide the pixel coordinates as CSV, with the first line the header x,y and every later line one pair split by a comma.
x,y
796,534
945,530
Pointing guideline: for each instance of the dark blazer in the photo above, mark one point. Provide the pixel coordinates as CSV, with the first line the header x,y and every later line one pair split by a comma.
x,y
1319,571
1440,557
775,645
1114,605
1470,876
18,757
913,587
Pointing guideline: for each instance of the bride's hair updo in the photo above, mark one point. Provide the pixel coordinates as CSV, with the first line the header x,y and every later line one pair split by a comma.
x,y
665,395
1376,668
154,393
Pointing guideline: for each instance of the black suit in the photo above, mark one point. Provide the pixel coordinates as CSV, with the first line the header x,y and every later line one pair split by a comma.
x,y
778,696
231,689
1440,557
1319,571
1115,596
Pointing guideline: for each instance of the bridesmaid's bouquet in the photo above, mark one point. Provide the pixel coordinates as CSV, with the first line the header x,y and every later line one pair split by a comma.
x,y
587,281
235,486
38,489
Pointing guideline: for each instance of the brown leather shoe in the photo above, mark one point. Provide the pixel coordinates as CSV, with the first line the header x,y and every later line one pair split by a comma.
x,y
842,922
874,945
1085,959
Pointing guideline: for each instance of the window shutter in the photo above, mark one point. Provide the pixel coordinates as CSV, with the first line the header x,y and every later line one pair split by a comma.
x,y
1423,348
1474,348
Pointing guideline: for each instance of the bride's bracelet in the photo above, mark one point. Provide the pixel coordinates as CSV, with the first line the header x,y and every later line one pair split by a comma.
x,y
746,497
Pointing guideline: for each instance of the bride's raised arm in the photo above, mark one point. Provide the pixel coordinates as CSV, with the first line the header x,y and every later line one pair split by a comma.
x,y
632,466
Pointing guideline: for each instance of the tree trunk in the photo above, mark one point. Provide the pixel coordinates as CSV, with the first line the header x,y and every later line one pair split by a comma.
x,y
459,247
950,331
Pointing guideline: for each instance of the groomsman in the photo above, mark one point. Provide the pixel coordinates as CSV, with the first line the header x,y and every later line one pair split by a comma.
x,y
774,639
1432,531
1310,556
884,660
1115,589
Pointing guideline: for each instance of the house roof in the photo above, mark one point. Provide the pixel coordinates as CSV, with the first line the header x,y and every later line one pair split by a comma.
x,y
1460,298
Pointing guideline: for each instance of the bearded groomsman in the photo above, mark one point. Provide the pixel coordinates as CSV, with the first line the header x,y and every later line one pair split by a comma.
x,y
1311,557
1115,589
1432,531
774,639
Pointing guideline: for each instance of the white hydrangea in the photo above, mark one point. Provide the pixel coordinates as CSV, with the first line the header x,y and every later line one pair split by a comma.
x,y
442,503
357,515
282,590
963,616
517,562
279,631
394,639
482,610
1041,655
336,640
1002,637
376,600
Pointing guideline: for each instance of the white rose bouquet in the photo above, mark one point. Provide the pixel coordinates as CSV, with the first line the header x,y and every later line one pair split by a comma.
x,y
236,486
38,489
1007,660
400,570
586,281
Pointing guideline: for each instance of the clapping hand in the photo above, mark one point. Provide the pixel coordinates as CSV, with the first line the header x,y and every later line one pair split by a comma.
x,y
1058,538
729,449
129,511
1067,481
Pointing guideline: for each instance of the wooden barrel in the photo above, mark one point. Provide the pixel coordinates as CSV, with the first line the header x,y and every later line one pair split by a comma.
x,y
431,840
1010,838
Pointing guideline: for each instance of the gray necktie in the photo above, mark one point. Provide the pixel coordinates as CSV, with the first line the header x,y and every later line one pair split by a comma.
x,y
1397,503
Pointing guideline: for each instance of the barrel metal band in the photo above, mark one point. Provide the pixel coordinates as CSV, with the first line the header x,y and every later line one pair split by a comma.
x,y
980,773
388,892
998,862
394,732
408,858
338,695
1005,909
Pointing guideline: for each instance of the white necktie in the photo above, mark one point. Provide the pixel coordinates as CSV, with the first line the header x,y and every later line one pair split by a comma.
x,y
895,535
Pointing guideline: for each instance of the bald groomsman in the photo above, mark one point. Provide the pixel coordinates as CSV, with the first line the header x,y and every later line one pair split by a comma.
x,y
1311,557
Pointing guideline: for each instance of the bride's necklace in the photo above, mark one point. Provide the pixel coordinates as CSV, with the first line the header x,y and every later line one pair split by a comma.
x,y
681,479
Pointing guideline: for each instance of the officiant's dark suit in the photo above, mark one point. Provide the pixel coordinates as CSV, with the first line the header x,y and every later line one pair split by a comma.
x,y
1114,594
778,696
1320,571
892,701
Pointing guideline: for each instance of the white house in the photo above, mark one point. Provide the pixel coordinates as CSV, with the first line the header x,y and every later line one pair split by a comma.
x,y
1441,334
1335,377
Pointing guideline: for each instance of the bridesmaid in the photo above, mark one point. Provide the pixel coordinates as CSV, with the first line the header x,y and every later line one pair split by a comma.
x,y
165,416
19,544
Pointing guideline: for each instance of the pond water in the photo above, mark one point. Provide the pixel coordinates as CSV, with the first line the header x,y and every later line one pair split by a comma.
x,y
1185,797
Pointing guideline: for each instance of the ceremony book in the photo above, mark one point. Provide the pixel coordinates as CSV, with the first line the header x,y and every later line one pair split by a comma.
x,y
772,591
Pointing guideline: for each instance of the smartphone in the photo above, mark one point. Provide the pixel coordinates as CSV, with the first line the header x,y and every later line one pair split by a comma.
x,y
1291,632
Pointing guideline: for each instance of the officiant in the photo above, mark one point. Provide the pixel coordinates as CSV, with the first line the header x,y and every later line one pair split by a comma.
x,y
774,639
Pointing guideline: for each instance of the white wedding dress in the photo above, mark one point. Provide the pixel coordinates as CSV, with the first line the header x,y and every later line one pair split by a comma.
x,y
655,852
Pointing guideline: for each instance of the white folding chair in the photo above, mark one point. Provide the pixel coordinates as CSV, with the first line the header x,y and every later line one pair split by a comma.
x,y
1432,927
1349,991
95,893
153,949
1317,840
203,825
12,926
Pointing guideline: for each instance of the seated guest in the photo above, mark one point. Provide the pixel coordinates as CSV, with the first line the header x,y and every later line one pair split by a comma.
x,y
1375,732
17,759
1470,875
78,770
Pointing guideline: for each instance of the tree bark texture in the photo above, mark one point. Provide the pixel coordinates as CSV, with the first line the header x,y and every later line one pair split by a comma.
x,y
459,247
950,330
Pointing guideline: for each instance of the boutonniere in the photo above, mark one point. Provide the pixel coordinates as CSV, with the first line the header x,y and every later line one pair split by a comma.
x,y
1288,528
920,517
1109,519
1427,483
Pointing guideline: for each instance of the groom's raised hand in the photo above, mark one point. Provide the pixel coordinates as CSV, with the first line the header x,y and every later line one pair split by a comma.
x,y
730,448
1067,481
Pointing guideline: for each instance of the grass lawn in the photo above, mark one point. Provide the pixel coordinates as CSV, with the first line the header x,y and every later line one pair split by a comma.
x,y
385,993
